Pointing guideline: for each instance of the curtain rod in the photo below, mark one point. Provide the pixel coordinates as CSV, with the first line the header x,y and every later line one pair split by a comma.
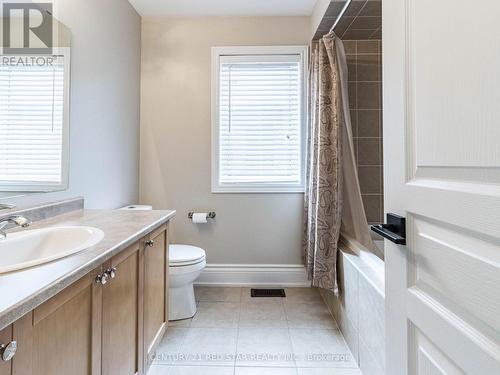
x,y
341,14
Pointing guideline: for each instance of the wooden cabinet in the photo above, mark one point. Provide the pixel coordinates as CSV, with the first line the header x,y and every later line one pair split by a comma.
x,y
5,339
63,335
121,328
155,291
107,323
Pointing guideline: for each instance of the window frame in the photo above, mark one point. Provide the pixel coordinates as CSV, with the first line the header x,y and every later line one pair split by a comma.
x,y
45,187
217,53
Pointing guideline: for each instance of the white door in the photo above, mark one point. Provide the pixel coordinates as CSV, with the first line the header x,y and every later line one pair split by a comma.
x,y
442,171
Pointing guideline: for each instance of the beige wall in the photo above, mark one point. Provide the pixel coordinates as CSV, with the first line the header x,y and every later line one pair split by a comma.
x,y
175,168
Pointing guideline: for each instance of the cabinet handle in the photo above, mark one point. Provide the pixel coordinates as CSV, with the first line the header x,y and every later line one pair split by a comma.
x,y
8,351
111,272
150,243
102,278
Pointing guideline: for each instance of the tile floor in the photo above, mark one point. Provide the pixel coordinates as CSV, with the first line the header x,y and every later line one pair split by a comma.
x,y
234,334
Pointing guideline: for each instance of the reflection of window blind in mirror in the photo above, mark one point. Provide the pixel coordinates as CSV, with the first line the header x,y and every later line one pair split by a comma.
x,y
260,121
31,124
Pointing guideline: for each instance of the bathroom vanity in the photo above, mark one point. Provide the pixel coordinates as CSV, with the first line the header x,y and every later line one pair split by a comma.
x,y
100,311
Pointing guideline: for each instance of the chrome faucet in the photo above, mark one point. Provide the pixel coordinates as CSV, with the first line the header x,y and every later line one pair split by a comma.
x,y
18,220
6,206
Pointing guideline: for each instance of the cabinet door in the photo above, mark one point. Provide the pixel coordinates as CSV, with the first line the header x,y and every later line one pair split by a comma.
x,y
120,314
62,335
155,290
5,339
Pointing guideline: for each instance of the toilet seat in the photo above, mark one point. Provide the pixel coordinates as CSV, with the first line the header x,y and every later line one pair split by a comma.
x,y
185,255
185,270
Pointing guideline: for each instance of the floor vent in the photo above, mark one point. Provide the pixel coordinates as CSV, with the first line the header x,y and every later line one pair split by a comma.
x,y
268,293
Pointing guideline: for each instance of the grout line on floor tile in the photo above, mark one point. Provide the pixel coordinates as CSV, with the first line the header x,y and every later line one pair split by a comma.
x,y
283,303
291,346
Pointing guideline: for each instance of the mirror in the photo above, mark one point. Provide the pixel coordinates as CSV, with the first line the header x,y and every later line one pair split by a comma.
x,y
34,109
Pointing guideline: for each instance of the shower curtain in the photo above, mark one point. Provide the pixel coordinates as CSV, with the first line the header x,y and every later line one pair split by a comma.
x,y
333,203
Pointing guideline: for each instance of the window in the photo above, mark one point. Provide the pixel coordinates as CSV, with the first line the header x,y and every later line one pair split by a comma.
x,y
258,119
33,123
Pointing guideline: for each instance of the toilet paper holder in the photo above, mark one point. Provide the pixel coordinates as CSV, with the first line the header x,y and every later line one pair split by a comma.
x,y
210,215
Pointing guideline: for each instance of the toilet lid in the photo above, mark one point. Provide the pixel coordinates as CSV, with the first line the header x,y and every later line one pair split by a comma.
x,y
185,254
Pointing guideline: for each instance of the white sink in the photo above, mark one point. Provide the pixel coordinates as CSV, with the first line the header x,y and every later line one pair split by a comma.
x,y
29,248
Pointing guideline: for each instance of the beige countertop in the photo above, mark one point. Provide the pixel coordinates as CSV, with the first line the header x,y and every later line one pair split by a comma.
x,y
22,291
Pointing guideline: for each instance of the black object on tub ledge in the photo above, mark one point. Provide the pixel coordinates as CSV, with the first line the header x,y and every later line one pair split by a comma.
x,y
394,230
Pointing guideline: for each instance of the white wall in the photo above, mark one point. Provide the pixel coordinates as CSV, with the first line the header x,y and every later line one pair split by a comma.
x,y
104,104
176,140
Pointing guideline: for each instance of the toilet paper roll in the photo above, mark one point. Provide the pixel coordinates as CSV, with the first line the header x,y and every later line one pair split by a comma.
x,y
199,217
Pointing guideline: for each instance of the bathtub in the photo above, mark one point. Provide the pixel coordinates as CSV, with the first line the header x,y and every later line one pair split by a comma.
x,y
359,307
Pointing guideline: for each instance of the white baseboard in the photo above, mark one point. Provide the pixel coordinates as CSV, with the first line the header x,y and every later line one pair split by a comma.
x,y
254,275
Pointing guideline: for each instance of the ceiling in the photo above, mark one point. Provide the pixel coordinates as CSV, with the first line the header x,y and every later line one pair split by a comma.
x,y
178,8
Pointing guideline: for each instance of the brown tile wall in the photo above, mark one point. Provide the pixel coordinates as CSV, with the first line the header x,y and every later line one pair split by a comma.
x,y
364,58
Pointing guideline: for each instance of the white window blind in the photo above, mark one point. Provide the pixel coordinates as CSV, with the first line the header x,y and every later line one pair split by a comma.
x,y
260,121
31,125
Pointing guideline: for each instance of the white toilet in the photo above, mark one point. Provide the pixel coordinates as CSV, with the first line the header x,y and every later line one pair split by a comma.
x,y
185,265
